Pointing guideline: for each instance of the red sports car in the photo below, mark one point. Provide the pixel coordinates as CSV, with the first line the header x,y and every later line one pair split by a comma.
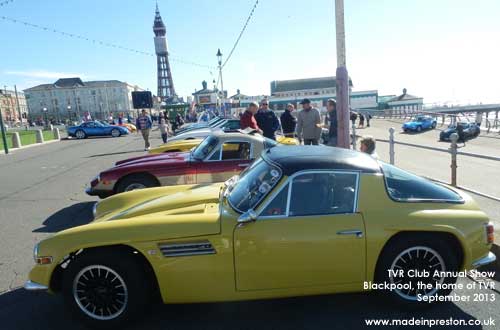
x,y
215,159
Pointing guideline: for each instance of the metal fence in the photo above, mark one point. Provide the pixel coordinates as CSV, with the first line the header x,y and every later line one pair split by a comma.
x,y
452,151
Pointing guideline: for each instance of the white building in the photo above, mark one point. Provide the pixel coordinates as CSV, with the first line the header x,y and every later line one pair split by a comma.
x,y
73,98
405,102
318,90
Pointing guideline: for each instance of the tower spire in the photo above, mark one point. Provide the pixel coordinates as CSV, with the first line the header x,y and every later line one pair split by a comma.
x,y
166,91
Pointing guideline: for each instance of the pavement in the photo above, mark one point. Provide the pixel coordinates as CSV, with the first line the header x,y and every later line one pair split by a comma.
x,y
42,192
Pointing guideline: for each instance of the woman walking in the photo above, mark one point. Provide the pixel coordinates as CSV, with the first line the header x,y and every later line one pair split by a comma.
x,y
163,125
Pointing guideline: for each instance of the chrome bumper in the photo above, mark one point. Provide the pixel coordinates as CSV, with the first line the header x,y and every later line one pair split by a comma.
x,y
491,257
33,286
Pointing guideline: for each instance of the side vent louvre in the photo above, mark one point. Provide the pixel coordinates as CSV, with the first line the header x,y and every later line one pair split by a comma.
x,y
186,249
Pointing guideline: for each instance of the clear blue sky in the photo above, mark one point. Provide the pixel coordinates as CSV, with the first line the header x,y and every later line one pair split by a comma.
x,y
443,50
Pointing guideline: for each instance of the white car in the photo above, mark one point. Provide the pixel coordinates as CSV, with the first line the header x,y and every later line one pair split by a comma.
x,y
194,134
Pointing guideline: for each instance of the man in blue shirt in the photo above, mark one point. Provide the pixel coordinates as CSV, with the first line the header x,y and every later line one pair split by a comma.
x,y
267,120
144,125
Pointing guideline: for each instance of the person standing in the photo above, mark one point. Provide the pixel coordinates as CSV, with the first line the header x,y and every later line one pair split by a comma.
x,y
361,121
353,116
267,120
288,121
479,118
163,126
247,119
178,120
368,117
144,125
331,119
309,124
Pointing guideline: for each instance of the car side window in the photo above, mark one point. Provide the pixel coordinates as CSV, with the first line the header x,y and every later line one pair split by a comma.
x,y
278,205
215,155
235,150
406,187
90,125
323,193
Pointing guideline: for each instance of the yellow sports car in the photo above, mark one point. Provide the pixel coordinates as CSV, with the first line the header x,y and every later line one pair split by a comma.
x,y
301,220
130,127
186,145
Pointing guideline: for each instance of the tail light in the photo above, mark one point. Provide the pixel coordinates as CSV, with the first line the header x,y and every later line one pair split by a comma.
x,y
490,236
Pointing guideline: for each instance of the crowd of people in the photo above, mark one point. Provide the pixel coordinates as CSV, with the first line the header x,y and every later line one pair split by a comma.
x,y
306,125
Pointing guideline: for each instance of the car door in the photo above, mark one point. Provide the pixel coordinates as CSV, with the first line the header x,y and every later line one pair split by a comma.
x,y
307,234
91,129
427,123
229,159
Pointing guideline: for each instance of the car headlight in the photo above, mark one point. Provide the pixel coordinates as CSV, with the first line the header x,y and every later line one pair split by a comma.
x,y
44,260
94,209
35,252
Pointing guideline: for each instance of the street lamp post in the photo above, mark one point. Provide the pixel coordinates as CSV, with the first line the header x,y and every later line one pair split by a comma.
x,y
46,118
219,59
69,114
342,79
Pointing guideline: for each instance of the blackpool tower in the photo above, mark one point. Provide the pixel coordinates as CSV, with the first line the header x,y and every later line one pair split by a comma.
x,y
166,91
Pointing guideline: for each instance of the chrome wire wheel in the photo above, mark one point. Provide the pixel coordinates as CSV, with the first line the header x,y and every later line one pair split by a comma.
x,y
418,264
100,292
115,133
134,186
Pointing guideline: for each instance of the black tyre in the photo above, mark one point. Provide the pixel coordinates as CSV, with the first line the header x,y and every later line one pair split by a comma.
x,y
422,256
115,132
433,125
80,134
137,181
419,128
105,289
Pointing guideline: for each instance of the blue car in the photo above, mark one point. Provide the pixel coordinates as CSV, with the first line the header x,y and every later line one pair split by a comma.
x,y
95,128
420,123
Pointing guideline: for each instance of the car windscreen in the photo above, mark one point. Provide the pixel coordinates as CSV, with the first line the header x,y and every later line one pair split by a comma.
x,y
406,187
253,185
205,147
214,121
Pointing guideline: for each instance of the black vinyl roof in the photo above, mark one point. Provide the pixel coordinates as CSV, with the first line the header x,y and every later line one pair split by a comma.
x,y
293,159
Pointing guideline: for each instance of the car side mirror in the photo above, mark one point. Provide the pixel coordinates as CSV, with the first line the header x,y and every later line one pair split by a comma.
x,y
248,216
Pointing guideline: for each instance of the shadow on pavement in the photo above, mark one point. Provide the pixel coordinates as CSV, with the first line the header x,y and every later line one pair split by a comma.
x,y
71,216
20,309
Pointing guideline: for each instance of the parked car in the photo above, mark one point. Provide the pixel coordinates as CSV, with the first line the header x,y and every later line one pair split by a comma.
x,y
469,131
190,126
96,128
224,125
420,123
186,145
299,221
216,159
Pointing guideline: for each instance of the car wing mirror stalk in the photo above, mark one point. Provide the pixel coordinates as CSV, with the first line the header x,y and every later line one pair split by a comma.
x,y
248,216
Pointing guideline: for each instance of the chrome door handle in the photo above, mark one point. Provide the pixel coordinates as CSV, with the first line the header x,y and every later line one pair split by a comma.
x,y
243,165
356,232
